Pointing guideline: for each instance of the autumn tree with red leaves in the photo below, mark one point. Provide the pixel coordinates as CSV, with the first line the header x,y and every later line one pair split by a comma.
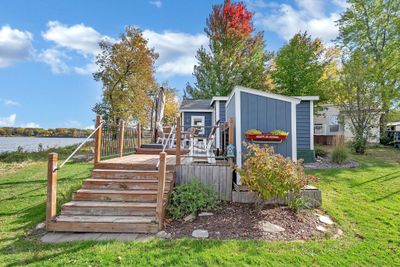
x,y
236,54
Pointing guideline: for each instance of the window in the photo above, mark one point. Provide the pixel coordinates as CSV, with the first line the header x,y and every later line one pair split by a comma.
x,y
333,124
199,121
318,129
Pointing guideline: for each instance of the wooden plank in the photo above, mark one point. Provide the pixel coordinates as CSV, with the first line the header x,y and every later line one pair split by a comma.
x,y
160,191
106,219
104,227
121,138
51,205
97,140
178,140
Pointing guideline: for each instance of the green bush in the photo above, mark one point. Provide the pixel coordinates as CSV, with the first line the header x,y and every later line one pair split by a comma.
x,y
385,140
191,198
298,203
339,155
320,152
10,157
270,174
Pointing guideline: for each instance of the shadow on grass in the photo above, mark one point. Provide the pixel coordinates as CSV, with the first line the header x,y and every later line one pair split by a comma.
x,y
386,196
387,176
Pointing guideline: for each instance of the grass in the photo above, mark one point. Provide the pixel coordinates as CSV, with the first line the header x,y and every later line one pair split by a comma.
x,y
365,202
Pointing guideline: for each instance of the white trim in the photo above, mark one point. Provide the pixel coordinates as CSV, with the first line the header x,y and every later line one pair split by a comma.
x,y
183,121
308,98
294,132
312,125
203,118
218,98
230,97
267,94
196,110
238,134
217,118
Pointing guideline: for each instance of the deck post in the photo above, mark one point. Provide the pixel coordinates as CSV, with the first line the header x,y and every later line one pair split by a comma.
x,y
51,205
139,136
178,140
121,138
230,137
161,188
97,141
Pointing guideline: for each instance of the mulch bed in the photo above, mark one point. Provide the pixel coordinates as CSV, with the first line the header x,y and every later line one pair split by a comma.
x,y
325,163
242,221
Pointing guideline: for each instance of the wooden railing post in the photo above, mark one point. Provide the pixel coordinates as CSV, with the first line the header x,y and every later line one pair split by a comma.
x,y
231,125
162,169
178,140
139,136
97,141
51,206
121,137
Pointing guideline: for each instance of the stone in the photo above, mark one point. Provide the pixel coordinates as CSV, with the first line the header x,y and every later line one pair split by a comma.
x,y
271,228
163,235
40,226
82,158
321,228
201,234
189,218
339,232
325,219
203,214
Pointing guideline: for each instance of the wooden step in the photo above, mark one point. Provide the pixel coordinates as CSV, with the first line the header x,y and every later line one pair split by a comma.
x,y
100,208
117,195
131,166
123,184
127,174
122,224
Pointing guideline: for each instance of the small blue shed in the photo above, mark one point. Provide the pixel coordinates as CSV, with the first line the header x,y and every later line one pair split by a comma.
x,y
197,112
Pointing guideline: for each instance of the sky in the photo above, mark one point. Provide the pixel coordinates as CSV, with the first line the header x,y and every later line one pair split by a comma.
x,y
48,48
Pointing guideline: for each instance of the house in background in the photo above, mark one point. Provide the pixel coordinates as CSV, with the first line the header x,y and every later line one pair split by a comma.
x,y
330,122
254,109
393,126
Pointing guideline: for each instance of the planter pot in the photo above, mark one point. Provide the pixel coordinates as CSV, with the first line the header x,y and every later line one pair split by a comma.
x,y
266,137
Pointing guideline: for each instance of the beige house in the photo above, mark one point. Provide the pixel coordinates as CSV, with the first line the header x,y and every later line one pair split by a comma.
x,y
328,123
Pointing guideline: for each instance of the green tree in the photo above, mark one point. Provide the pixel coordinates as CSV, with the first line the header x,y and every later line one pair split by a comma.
x,y
236,54
126,69
299,66
358,100
373,27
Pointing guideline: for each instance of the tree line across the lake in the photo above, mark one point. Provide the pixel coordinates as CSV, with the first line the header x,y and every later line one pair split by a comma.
x,y
39,132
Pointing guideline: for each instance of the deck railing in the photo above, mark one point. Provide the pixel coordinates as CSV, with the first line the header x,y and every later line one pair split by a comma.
x,y
117,140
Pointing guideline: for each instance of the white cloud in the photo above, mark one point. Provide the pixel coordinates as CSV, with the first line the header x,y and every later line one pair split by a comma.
x,y
78,37
88,69
30,125
156,3
308,15
177,51
15,46
9,102
55,58
8,121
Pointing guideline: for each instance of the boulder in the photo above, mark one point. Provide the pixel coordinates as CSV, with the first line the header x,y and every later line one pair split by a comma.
x,y
201,234
271,228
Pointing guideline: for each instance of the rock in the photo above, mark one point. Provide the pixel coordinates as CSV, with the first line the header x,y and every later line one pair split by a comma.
x,y
202,234
272,228
82,158
189,218
339,232
325,219
40,226
163,235
321,228
202,214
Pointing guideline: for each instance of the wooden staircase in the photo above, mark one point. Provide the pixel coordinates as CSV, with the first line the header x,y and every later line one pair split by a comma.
x,y
117,198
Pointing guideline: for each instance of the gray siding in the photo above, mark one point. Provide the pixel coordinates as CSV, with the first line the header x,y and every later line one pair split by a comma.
x,y
222,111
188,120
266,114
303,125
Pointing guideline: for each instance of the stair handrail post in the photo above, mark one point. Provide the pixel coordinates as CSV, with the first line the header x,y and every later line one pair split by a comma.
x,y
178,140
97,142
51,204
121,138
161,188
139,136
230,137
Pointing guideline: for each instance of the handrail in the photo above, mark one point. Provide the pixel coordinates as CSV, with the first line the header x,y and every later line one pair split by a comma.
x,y
79,147
166,143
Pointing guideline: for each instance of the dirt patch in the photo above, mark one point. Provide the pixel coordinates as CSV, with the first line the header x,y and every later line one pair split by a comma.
x,y
242,221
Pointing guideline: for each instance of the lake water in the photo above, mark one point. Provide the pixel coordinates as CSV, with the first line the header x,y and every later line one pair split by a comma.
x,y
32,143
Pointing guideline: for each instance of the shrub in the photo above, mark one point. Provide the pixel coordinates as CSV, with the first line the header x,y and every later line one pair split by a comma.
x,y
339,155
298,203
320,152
10,157
359,145
191,198
272,175
385,140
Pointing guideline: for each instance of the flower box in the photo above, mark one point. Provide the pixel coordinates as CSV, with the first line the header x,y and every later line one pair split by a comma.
x,y
266,137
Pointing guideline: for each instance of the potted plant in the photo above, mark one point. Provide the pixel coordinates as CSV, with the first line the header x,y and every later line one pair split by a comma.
x,y
275,135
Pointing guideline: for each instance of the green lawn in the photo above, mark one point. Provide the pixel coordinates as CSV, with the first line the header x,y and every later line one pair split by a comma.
x,y
365,202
